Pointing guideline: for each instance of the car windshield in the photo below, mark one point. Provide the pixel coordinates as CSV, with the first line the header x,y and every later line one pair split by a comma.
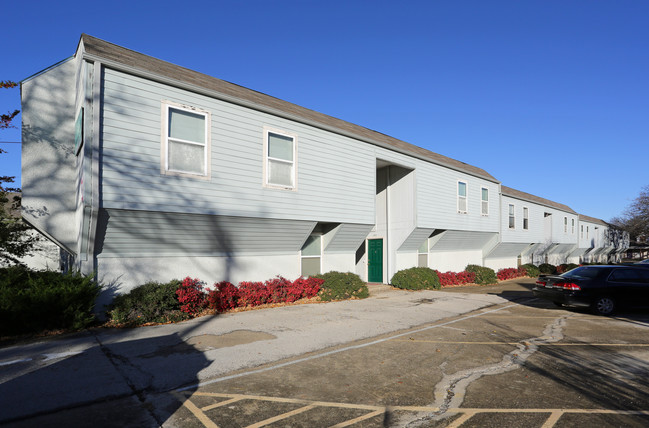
x,y
582,272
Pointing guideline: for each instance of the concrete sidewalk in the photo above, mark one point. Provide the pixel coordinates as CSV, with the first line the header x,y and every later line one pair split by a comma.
x,y
131,364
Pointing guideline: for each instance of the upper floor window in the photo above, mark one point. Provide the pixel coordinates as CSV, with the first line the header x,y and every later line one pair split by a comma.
x,y
582,231
461,197
573,226
485,201
512,217
525,218
186,141
565,224
280,150
586,232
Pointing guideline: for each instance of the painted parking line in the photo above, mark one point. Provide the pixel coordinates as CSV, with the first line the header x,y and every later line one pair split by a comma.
x,y
373,411
448,342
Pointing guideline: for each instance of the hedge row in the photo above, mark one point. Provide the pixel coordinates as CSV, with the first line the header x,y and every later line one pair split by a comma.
x,y
176,300
421,278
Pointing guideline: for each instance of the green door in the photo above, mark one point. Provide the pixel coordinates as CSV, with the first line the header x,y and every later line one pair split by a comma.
x,y
375,260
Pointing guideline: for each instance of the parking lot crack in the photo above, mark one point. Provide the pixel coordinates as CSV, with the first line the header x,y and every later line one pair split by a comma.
x,y
450,391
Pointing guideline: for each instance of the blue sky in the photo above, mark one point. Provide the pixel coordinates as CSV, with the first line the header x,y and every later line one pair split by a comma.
x,y
550,97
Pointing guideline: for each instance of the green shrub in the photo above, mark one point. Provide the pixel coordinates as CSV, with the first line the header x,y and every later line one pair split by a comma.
x,y
416,278
340,286
565,267
34,301
483,275
532,270
547,268
150,302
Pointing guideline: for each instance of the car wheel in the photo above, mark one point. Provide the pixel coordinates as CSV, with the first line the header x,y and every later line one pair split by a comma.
x,y
604,305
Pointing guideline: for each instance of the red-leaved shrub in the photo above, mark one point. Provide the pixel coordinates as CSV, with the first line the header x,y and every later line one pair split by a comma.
x,y
253,294
455,278
277,289
304,288
191,296
511,273
224,296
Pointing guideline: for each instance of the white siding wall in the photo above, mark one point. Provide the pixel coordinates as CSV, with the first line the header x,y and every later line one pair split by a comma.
x,y
534,233
335,174
560,236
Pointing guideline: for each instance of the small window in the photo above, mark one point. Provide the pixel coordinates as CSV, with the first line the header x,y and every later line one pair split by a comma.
x,y
186,141
586,232
565,224
582,231
512,217
461,197
573,226
525,218
279,159
485,201
422,256
311,256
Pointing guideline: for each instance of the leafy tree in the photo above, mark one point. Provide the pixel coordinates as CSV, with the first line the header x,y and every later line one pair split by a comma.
x,y
635,218
5,119
15,242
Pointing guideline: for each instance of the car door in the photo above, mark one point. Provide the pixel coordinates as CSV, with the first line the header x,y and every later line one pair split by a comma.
x,y
630,285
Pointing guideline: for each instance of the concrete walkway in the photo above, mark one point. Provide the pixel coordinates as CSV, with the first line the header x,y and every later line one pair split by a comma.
x,y
109,364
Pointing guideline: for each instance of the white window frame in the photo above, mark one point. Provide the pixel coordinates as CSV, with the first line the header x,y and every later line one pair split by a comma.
x,y
573,225
266,169
465,197
164,149
565,225
511,216
484,204
582,231
526,218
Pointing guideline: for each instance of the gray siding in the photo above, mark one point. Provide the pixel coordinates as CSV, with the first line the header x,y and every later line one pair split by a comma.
x,y
507,249
335,174
414,241
347,238
146,234
454,240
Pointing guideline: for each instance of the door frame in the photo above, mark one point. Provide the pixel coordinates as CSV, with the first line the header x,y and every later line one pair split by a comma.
x,y
369,261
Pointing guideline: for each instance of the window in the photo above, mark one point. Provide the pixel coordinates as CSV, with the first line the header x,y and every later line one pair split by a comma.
x,y
565,224
186,141
461,197
586,232
279,159
485,201
422,258
573,226
311,255
525,218
582,231
512,217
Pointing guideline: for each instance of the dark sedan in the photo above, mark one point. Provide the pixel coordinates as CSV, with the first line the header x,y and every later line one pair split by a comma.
x,y
602,288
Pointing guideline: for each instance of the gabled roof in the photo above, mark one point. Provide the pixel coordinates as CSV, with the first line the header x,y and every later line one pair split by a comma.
x,y
115,56
508,191
583,217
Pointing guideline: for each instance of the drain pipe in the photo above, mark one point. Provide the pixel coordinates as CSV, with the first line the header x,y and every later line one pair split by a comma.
x,y
388,188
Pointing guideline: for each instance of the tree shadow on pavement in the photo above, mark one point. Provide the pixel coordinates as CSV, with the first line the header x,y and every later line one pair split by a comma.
x,y
114,381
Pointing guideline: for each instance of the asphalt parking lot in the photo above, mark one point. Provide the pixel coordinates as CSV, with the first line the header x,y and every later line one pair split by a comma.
x,y
516,362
